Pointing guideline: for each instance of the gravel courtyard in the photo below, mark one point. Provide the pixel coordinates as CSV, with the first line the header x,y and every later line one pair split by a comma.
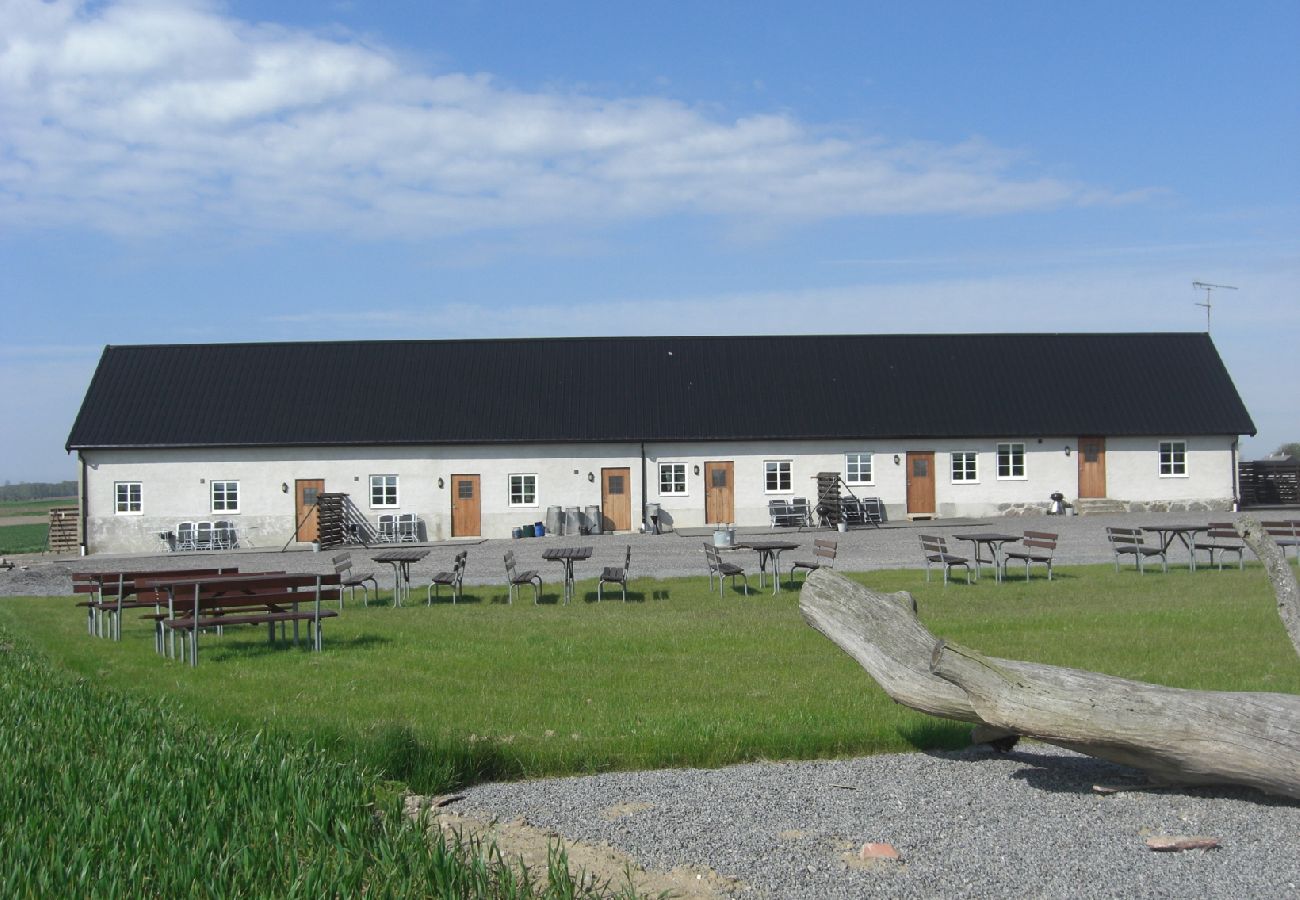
x,y
894,545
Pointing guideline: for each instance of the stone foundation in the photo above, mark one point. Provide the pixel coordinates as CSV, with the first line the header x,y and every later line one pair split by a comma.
x,y
1023,509
1175,506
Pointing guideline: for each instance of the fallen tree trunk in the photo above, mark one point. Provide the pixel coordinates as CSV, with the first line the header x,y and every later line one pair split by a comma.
x,y
1175,736
1279,574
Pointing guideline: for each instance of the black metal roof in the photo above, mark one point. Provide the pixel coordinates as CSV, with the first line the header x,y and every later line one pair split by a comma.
x,y
658,389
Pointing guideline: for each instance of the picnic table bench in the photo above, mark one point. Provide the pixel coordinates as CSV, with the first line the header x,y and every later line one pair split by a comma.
x,y
215,601
112,592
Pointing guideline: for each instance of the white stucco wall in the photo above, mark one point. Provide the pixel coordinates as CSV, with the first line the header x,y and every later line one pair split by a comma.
x,y
176,483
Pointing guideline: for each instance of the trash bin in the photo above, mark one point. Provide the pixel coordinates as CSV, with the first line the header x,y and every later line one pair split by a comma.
x,y
1057,506
594,524
573,520
652,518
554,518
724,535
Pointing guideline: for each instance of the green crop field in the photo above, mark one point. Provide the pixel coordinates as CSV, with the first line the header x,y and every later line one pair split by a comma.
x,y
24,538
33,507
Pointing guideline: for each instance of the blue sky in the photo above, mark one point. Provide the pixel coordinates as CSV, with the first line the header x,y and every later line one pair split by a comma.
x,y
202,171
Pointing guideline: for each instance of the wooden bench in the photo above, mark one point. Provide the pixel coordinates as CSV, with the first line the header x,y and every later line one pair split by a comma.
x,y
214,602
1222,538
1285,533
112,592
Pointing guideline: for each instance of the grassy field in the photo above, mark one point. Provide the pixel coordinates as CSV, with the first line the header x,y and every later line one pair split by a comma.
x,y
28,537
24,538
33,507
437,697
106,795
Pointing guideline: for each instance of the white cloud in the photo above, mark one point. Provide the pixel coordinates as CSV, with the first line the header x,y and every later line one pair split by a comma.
x,y
142,115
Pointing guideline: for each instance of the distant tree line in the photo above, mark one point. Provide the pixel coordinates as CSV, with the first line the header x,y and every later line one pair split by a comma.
x,y
38,490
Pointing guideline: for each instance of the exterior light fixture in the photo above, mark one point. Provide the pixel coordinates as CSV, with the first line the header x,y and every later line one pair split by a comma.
x,y
697,468
1067,449
284,487
896,459
591,476
439,481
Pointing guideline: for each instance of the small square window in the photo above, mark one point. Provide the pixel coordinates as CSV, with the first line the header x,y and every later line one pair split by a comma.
x,y
964,466
523,490
225,496
1011,460
778,476
383,490
128,498
857,468
672,479
1173,458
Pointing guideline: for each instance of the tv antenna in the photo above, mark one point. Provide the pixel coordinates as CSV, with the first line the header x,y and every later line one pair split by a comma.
x,y
1209,288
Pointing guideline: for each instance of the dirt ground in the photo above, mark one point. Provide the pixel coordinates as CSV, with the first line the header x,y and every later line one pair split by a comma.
x,y
530,846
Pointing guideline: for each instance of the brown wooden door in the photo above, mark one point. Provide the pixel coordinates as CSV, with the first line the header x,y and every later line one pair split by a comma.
x,y
920,482
466,506
719,499
306,492
616,499
1092,467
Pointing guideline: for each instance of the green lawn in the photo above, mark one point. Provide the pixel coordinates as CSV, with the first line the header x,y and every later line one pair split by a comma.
x,y
439,696
24,538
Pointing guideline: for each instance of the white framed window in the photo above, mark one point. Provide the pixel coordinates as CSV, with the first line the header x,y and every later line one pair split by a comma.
x,y
383,490
672,479
965,468
1173,459
1011,460
127,498
225,496
523,490
857,468
778,476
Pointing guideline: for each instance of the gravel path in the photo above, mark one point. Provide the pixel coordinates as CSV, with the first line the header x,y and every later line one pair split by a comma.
x,y
967,824
1082,540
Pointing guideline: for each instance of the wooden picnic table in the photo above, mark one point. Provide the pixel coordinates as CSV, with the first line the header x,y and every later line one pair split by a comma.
x,y
566,556
401,561
769,551
1185,533
214,601
994,541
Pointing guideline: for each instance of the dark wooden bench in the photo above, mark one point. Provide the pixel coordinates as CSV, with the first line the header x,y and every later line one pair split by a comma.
x,y
1039,547
112,592
214,602
1285,533
1221,539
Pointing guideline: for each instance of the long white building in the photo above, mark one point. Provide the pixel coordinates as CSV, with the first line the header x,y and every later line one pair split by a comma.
x,y
476,438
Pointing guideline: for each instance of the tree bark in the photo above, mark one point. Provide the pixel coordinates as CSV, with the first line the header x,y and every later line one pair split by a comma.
x,y
1175,736
1279,574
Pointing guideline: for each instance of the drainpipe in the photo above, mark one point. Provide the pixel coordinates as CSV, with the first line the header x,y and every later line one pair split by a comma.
x,y
1236,476
645,524
85,504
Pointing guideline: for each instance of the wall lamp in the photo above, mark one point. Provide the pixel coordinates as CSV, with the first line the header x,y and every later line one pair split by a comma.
x,y
440,482
1067,449
591,476
284,487
896,459
697,469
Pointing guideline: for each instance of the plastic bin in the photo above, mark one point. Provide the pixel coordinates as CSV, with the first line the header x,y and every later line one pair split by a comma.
x,y
530,531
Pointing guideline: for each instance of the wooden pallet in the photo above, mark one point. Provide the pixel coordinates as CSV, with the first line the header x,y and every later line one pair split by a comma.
x,y
65,529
